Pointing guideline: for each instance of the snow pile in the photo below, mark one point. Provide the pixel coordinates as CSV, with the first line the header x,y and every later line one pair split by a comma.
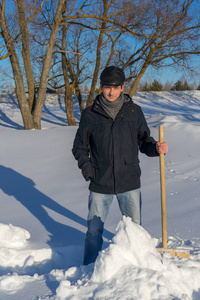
x,y
12,236
12,242
132,245
131,268
14,253
19,265
12,283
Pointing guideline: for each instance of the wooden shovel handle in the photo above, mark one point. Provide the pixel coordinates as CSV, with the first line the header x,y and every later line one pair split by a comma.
x,y
163,190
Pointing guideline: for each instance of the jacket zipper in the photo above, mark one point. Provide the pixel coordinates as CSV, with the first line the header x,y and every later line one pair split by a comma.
x,y
119,116
122,113
113,158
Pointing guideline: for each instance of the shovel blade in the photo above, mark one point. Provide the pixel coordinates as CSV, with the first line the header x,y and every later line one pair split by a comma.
x,y
175,252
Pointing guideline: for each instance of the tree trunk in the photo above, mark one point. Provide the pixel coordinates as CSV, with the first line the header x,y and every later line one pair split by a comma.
x,y
69,102
96,71
74,80
37,112
98,58
26,53
137,80
68,91
80,100
18,77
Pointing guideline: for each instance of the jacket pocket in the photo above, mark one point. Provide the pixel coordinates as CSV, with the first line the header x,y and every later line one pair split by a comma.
x,y
102,173
132,168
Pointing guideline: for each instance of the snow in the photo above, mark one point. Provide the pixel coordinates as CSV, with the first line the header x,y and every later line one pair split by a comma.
x,y
44,210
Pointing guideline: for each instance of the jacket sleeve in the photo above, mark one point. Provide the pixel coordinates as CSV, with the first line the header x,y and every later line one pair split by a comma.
x,y
146,142
81,148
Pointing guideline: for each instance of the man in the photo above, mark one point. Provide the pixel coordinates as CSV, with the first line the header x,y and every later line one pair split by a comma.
x,y
106,146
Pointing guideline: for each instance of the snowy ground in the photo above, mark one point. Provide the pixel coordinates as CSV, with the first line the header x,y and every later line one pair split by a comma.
x,y
44,210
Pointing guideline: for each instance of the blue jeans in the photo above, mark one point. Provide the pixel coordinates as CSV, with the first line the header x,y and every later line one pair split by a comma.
x,y
99,204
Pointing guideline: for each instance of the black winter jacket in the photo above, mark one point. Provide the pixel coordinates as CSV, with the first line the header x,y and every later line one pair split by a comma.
x,y
107,150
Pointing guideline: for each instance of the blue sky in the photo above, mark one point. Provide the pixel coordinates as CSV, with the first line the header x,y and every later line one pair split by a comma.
x,y
162,75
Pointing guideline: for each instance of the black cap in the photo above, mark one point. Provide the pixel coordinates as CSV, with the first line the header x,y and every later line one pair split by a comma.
x,y
112,76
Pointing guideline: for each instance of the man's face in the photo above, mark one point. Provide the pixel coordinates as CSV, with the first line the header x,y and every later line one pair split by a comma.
x,y
110,92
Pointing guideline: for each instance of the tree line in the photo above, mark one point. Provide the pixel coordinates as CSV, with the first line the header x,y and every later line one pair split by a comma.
x,y
64,44
179,85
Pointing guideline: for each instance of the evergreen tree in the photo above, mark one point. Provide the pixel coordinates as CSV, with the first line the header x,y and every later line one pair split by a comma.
x,y
156,86
146,87
177,86
186,86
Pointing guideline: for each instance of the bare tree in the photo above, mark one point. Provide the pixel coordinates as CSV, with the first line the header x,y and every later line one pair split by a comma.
x,y
18,77
159,35
70,61
68,91
98,54
97,19
23,23
31,115
37,112
169,39
135,35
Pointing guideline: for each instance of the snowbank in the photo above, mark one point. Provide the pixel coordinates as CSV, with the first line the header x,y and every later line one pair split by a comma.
x,y
132,245
12,236
131,268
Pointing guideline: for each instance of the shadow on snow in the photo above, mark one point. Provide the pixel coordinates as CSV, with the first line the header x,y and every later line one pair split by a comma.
x,y
23,189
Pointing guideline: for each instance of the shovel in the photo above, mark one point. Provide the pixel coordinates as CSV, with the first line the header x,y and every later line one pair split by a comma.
x,y
177,252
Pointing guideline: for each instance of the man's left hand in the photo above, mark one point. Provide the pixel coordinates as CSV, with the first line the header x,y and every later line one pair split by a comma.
x,y
161,148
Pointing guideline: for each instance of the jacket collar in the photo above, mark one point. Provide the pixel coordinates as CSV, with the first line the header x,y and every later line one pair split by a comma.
x,y
127,98
97,105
